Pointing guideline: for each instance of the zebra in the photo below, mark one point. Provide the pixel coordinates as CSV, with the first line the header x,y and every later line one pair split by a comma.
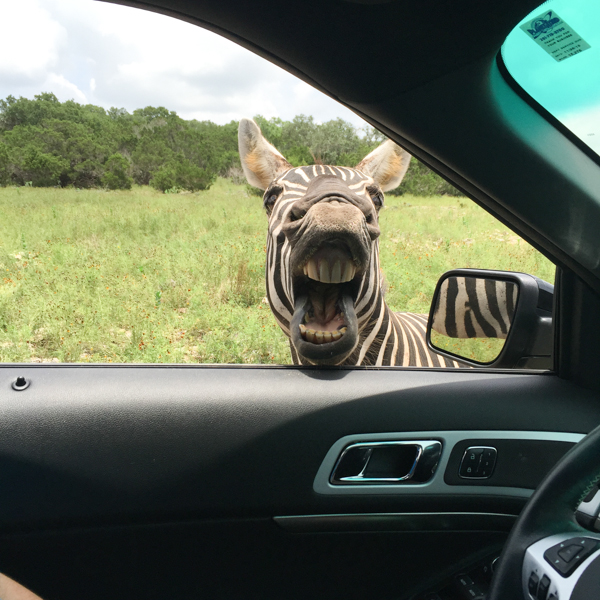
x,y
486,308
324,284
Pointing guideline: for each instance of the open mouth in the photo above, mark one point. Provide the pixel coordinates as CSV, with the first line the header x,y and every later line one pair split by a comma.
x,y
324,325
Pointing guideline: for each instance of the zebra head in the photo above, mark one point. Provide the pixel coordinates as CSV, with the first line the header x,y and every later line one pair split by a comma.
x,y
322,270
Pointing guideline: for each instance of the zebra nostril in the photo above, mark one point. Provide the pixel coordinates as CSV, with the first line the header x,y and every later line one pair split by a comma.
x,y
297,213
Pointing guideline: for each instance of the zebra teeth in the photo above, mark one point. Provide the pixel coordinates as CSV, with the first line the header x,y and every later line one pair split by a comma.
x,y
336,273
349,272
324,272
343,330
311,270
320,337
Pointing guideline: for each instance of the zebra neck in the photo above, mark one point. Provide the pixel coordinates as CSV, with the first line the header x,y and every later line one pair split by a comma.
x,y
391,339
396,339
378,345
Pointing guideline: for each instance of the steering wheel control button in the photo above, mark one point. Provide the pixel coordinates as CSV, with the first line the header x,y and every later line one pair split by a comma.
x,y
533,583
543,588
568,555
478,462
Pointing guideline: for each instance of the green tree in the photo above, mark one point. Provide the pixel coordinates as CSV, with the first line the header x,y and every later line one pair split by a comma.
x,y
420,180
50,142
5,164
115,175
42,169
181,174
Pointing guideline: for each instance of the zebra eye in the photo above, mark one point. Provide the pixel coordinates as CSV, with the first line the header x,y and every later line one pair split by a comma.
x,y
376,197
270,198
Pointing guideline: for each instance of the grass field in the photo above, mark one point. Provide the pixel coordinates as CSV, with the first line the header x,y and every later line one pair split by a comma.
x,y
140,276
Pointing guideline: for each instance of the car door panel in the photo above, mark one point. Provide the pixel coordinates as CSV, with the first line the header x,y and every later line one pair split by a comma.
x,y
145,479
245,558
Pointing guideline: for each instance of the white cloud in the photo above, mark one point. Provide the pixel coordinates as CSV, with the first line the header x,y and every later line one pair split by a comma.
x,y
63,88
131,58
30,40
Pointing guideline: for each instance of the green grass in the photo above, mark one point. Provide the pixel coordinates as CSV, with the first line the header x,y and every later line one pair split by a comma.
x,y
139,276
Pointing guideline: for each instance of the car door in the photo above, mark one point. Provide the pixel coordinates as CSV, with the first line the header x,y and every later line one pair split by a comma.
x,y
150,481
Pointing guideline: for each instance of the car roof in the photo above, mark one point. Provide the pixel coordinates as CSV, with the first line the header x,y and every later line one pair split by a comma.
x,y
359,50
427,75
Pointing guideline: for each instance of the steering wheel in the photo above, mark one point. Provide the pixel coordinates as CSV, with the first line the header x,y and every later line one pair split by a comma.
x,y
548,555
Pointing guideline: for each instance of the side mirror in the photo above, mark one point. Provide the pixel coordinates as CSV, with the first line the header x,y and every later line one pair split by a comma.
x,y
493,319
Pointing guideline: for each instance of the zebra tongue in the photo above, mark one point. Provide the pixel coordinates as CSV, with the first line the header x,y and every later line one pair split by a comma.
x,y
346,303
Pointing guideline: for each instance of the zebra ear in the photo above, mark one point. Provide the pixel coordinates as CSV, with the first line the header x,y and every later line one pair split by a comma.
x,y
387,165
261,161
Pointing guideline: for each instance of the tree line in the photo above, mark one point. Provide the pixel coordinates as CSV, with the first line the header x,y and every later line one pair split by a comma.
x,y
46,143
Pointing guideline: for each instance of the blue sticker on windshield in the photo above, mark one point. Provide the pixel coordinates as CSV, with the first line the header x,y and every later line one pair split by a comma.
x,y
557,38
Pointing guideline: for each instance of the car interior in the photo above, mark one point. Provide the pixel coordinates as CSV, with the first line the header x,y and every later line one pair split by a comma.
x,y
286,482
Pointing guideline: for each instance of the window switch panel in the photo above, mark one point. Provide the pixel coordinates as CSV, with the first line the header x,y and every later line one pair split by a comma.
x,y
478,462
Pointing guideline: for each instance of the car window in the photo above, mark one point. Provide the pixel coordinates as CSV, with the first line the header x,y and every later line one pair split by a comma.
x,y
129,232
553,54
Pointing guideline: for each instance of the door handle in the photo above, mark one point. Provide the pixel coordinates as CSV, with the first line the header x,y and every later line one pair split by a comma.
x,y
387,462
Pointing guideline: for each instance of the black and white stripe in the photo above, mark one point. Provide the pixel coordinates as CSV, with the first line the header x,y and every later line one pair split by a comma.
x,y
386,338
486,308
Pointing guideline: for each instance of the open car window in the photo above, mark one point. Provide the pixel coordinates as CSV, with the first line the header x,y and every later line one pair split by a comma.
x,y
553,54
129,233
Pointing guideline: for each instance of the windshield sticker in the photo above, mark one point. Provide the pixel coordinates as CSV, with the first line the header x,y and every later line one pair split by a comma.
x,y
557,38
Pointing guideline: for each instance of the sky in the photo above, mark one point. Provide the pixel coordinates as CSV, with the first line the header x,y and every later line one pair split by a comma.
x,y
569,89
108,55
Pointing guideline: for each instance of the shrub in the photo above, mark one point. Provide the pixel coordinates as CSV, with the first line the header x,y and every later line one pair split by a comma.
x,y
42,169
116,175
420,180
4,165
181,173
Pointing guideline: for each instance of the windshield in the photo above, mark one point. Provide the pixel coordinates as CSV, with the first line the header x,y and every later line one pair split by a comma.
x,y
554,55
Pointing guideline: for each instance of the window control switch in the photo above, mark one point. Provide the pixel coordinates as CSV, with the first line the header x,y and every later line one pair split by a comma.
x,y
478,462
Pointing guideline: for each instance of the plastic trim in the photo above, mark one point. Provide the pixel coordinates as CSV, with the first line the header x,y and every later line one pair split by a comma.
x,y
433,521
436,485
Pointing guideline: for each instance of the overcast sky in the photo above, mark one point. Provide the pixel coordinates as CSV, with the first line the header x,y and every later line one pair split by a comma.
x,y
108,55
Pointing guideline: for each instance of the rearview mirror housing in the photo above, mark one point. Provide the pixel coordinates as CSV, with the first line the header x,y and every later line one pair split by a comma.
x,y
491,306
